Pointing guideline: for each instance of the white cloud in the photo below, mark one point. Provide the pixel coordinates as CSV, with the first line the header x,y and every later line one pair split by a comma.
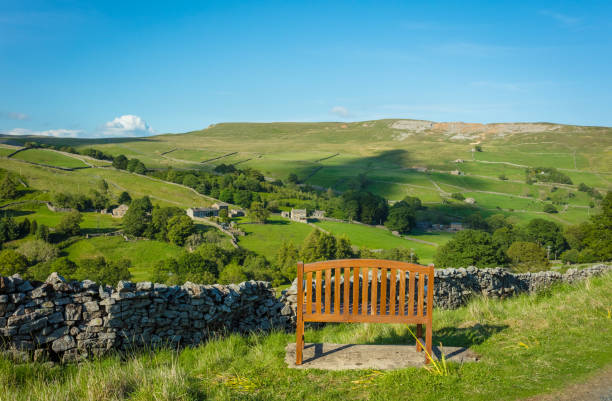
x,y
58,133
340,111
14,116
127,125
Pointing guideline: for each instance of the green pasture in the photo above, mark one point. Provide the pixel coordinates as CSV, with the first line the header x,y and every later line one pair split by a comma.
x,y
143,254
49,157
265,239
377,238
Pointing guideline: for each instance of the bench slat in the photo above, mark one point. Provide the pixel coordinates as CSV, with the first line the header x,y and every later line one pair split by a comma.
x,y
392,294
328,289
355,291
402,292
347,285
309,292
337,292
383,291
318,298
374,299
411,294
421,293
365,273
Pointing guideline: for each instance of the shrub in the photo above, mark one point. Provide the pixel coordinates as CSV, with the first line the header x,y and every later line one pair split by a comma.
x,y
570,256
12,262
548,208
527,256
37,251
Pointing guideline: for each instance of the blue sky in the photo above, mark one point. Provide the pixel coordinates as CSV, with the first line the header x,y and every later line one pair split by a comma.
x,y
113,68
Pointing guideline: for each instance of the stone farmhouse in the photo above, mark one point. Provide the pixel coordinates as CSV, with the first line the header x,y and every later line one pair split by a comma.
x,y
120,211
212,211
301,215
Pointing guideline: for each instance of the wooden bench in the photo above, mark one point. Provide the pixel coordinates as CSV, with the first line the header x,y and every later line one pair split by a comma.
x,y
362,291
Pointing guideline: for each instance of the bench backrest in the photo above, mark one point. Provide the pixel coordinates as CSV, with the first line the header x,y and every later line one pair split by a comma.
x,y
365,290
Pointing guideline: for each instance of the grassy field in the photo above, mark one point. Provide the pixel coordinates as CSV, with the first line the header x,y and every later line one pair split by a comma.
x,y
50,158
529,345
143,254
265,239
85,180
376,238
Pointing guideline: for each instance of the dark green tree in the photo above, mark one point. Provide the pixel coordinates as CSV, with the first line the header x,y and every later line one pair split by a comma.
x,y
8,188
468,248
124,198
138,217
70,224
120,162
179,228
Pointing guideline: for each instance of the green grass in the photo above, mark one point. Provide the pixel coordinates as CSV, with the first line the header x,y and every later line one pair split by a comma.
x,y
376,238
265,239
143,254
50,158
557,329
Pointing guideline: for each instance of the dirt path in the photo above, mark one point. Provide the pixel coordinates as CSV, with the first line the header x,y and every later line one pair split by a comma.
x,y
596,388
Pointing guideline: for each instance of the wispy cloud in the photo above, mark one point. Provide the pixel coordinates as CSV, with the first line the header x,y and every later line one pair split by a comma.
x,y
58,133
9,115
340,111
127,125
564,19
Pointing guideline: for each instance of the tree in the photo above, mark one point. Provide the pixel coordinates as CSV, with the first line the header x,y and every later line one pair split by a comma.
x,y
232,273
42,232
458,196
9,229
549,208
286,259
124,198
344,250
12,262
570,256
120,162
8,188
293,178
401,218
70,224
179,228
160,216
102,271
478,148
227,195
37,251
103,186
224,216
527,256
475,221
63,266
546,233
259,213
190,180
468,248
138,216
308,251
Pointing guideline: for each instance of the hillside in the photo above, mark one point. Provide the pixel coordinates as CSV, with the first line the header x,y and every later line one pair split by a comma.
x,y
397,158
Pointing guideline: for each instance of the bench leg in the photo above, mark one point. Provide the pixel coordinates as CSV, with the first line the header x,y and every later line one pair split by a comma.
x,y
428,342
419,334
299,340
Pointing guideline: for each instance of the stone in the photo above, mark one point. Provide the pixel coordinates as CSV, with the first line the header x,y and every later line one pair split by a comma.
x,y
55,278
96,322
63,344
91,306
73,312
25,287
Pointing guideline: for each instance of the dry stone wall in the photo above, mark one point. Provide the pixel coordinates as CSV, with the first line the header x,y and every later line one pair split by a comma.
x,y
59,320
454,287
69,321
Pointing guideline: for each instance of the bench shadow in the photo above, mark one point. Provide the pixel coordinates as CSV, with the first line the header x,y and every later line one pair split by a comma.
x,y
448,336
318,351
